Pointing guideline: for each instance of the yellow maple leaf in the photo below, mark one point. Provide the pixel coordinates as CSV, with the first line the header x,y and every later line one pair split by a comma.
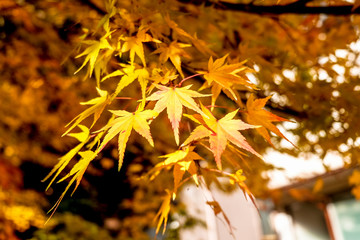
x,y
256,115
223,77
98,103
220,132
163,76
183,161
92,51
129,73
163,212
123,124
77,173
174,51
173,99
83,137
135,45
105,21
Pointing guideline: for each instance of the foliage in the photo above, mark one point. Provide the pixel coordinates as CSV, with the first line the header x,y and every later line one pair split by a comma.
x,y
213,69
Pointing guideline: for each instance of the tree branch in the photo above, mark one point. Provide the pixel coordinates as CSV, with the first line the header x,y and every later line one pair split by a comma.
x,y
298,7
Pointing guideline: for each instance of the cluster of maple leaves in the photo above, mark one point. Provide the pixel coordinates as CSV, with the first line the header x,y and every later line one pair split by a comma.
x,y
161,77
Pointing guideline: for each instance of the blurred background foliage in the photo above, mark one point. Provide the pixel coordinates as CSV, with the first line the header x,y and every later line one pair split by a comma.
x,y
309,63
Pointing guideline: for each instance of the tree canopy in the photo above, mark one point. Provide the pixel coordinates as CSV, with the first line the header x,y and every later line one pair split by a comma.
x,y
169,93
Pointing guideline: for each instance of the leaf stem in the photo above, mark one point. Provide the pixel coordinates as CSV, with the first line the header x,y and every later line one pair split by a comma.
x,y
180,83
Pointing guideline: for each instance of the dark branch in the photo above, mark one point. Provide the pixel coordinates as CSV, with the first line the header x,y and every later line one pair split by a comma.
x,y
298,7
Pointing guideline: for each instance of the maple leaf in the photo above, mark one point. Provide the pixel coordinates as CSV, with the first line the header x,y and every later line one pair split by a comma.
x,y
183,161
163,212
201,45
93,50
174,26
215,206
173,99
77,173
135,44
123,125
224,77
129,73
83,137
163,76
256,115
220,132
174,51
98,103
111,11
238,178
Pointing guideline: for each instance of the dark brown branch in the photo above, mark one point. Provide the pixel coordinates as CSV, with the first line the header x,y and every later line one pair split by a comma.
x,y
298,7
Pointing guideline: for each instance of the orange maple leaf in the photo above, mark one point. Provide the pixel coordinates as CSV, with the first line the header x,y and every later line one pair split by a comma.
x,y
183,161
223,77
135,45
174,51
173,99
256,115
220,132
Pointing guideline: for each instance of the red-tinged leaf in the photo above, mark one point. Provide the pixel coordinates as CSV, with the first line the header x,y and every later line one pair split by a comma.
x,y
217,209
123,125
223,130
257,115
173,99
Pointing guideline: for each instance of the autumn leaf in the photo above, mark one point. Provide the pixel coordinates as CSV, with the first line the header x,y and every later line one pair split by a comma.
x,y
173,99
220,132
162,215
135,45
98,103
223,77
77,173
354,179
93,50
183,161
175,27
111,11
215,206
83,137
239,179
163,76
129,73
123,125
174,51
201,45
256,115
